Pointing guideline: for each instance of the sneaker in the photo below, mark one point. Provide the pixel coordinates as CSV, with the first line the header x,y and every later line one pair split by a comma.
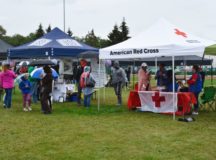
x,y
29,108
195,113
25,109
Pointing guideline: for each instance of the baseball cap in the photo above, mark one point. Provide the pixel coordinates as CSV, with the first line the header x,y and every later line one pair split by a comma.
x,y
144,64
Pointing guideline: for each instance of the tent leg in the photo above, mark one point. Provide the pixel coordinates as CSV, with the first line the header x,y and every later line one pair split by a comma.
x,y
173,79
99,88
133,75
212,74
104,94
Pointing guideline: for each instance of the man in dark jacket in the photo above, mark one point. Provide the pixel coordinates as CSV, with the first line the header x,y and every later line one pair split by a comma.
x,y
118,79
46,89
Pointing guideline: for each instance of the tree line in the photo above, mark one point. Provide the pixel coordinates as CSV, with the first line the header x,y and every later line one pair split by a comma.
x,y
118,34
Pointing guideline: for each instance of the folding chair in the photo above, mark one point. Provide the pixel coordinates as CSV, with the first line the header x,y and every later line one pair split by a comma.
x,y
208,98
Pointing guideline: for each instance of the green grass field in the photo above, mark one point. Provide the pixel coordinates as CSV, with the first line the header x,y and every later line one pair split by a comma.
x,y
114,133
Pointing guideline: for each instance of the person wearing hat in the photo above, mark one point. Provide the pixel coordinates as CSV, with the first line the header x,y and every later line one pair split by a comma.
x,y
144,78
118,79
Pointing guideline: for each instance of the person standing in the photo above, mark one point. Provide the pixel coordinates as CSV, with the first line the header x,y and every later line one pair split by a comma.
x,y
118,79
7,82
195,86
34,85
169,85
46,90
79,72
161,76
144,78
25,87
87,84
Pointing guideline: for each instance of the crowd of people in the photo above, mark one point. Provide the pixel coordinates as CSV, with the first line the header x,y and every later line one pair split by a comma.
x,y
29,87
35,89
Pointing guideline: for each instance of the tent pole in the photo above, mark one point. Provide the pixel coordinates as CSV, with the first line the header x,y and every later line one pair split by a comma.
x,y
104,87
133,75
99,88
211,74
173,79
156,66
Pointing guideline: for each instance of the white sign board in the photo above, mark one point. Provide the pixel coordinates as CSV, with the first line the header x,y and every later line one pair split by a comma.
x,y
40,42
101,78
68,42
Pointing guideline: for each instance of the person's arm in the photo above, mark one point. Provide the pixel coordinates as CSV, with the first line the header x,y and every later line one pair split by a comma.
x,y
193,79
21,85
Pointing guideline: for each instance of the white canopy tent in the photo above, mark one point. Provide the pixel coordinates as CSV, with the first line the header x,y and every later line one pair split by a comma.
x,y
163,39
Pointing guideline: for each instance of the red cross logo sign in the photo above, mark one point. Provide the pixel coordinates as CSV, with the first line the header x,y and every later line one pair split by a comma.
x,y
158,99
180,33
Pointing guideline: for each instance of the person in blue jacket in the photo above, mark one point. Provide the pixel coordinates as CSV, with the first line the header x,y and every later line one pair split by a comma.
x,y
195,86
169,84
161,76
25,87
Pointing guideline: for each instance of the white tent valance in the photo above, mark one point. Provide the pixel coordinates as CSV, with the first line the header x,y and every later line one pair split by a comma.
x,y
162,39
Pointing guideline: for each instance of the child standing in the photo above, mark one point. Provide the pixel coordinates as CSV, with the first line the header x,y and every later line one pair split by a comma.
x,y
25,87
7,83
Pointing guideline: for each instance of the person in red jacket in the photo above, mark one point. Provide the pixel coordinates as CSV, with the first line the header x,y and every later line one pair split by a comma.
x,y
195,86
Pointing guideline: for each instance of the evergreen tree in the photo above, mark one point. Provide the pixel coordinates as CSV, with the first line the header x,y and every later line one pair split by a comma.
x,y
92,40
115,35
124,30
48,29
39,32
69,32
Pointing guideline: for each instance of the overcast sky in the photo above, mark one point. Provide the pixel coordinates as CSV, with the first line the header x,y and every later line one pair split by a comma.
x,y
24,16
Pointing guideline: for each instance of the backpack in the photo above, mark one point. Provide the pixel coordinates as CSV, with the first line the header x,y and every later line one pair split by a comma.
x,y
89,81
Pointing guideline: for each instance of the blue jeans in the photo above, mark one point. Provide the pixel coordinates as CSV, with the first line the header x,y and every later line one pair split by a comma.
x,y
196,106
34,91
87,100
8,98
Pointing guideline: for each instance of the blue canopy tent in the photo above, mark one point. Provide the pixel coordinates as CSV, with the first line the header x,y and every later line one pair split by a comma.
x,y
54,44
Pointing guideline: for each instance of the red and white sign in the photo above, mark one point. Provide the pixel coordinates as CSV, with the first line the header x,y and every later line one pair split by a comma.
x,y
158,102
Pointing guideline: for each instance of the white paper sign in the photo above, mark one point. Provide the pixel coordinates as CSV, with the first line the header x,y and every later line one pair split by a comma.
x,y
68,42
40,42
100,78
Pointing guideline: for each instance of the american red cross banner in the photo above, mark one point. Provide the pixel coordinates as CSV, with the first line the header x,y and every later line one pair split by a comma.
x,y
158,102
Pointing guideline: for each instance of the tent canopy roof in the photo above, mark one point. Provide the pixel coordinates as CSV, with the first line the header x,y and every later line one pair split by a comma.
x,y
161,39
3,49
54,44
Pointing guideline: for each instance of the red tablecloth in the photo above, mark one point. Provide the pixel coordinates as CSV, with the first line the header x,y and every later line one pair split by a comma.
x,y
185,100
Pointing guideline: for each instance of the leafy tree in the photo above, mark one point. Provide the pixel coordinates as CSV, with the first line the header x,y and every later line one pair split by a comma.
x,y
48,29
69,32
39,32
124,30
2,31
115,35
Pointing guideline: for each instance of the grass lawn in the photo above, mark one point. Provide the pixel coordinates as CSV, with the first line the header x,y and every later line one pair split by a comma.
x,y
114,133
